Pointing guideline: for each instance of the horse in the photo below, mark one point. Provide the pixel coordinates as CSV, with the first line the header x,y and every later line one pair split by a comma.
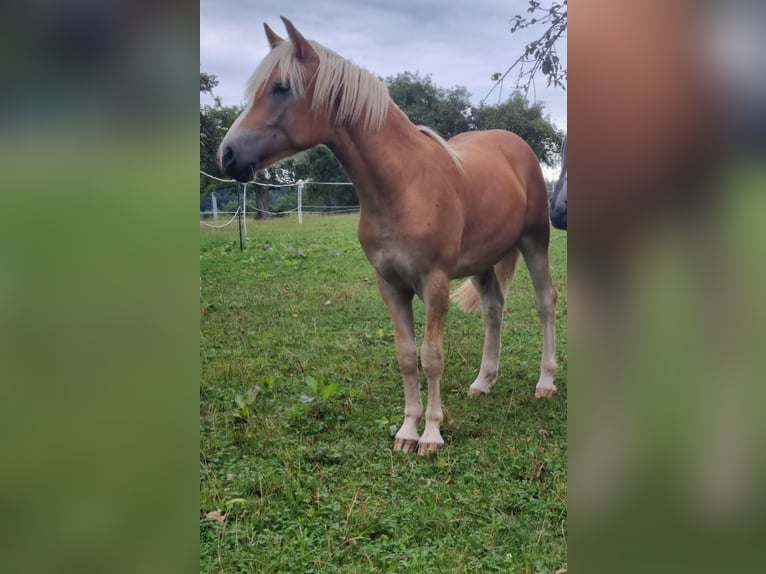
x,y
430,210
559,198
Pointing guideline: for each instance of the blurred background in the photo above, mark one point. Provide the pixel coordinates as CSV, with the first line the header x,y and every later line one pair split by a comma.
x,y
99,286
99,293
667,133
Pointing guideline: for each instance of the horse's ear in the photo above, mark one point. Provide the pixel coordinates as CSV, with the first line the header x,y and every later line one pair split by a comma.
x,y
301,47
274,39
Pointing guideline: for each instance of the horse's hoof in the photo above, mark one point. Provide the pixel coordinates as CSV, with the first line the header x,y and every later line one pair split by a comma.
x,y
544,392
406,445
425,448
476,393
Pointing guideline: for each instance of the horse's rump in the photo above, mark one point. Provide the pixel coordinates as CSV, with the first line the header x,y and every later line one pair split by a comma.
x,y
502,194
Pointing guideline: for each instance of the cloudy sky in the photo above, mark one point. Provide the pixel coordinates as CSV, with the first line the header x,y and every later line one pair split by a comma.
x,y
457,42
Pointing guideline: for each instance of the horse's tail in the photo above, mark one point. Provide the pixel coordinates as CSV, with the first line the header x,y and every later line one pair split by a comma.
x,y
467,298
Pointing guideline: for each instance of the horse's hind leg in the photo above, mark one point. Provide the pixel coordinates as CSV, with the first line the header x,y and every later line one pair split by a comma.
x,y
492,305
534,248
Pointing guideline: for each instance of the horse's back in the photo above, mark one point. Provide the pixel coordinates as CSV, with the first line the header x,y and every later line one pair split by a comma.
x,y
495,159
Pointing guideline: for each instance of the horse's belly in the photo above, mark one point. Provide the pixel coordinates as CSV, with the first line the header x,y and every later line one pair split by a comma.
x,y
487,242
474,263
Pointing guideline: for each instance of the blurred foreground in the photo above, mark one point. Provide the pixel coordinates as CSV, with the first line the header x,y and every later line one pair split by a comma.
x,y
99,288
666,276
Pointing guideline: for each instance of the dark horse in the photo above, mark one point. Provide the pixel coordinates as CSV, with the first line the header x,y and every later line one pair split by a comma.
x,y
559,199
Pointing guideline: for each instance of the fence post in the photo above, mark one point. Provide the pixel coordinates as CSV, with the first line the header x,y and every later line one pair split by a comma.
x,y
244,206
215,207
239,218
300,202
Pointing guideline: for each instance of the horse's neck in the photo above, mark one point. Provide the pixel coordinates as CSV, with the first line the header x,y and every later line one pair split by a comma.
x,y
379,163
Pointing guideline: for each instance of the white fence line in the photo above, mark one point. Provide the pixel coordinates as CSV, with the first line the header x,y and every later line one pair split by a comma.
x,y
289,184
225,224
328,209
319,208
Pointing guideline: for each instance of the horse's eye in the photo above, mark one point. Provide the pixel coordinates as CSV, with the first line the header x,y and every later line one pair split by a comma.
x,y
280,89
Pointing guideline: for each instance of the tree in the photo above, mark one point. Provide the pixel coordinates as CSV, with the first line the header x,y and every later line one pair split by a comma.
x,y
540,55
276,177
525,119
207,82
214,121
445,110
449,112
207,128
319,164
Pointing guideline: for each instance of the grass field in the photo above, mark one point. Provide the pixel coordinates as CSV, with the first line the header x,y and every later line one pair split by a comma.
x,y
301,393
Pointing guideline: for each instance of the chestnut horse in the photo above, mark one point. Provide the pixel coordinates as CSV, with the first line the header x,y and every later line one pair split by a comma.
x,y
431,210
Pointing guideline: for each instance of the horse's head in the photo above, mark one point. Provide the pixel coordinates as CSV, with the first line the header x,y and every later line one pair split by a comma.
x,y
279,120
559,199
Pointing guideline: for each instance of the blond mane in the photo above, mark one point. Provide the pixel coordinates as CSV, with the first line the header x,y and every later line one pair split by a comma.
x,y
431,133
361,96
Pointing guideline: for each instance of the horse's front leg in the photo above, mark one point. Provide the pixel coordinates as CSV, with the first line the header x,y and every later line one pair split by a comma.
x,y
399,304
436,299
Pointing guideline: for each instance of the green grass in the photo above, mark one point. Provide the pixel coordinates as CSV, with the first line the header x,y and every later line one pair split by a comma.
x,y
300,395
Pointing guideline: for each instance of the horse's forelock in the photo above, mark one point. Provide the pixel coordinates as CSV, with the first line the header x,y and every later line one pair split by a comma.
x,y
361,95
280,57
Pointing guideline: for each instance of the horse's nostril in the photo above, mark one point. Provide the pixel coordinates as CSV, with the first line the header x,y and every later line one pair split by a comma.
x,y
227,159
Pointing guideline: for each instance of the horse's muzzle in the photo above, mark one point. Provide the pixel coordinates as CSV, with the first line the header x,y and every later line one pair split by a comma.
x,y
232,167
559,215
558,206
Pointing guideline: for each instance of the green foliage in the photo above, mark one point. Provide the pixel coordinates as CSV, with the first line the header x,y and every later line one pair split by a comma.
x,y
450,113
540,55
214,123
314,486
207,82
319,389
320,164
244,405
525,119
445,110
